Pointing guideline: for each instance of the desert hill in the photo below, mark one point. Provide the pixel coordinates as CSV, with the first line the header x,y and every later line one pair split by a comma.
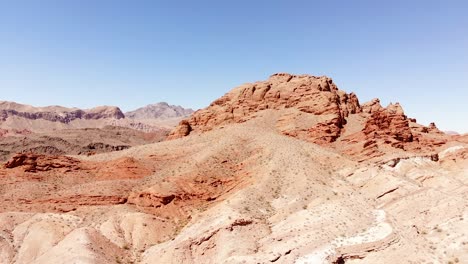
x,y
288,170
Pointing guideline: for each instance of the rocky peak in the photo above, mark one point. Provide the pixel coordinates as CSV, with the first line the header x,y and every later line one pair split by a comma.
x,y
160,110
390,122
102,112
372,106
433,128
312,108
308,94
395,109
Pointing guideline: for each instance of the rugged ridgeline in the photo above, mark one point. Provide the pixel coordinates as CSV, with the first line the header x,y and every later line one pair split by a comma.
x,y
57,113
25,119
18,118
315,110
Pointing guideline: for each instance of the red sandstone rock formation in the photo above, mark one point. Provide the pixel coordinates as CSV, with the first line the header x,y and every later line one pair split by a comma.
x,y
317,96
315,110
389,123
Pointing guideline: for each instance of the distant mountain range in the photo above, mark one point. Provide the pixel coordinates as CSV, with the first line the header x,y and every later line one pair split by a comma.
x,y
153,117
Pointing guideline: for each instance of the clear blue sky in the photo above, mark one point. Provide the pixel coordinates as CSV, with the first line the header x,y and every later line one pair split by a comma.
x,y
131,53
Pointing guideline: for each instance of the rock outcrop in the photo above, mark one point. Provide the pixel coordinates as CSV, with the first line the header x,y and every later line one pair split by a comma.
x,y
317,96
182,130
390,122
314,109
372,106
38,163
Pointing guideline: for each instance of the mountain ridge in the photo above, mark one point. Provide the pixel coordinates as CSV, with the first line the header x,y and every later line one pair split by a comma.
x,y
21,117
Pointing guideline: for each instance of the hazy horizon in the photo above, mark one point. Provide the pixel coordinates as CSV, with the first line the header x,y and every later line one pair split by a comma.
x,y
132,54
